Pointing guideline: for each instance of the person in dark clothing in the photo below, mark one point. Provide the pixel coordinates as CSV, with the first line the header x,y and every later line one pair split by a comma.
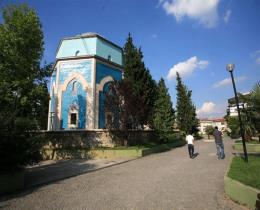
x,y
219,143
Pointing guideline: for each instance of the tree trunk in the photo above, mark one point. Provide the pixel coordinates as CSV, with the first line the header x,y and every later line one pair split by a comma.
x,y
248,138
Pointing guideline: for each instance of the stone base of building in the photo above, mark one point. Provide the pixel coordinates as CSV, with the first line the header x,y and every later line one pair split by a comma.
x,y
87,139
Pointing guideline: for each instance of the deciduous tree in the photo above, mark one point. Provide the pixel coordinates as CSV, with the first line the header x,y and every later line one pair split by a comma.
x,y
23,87
209,130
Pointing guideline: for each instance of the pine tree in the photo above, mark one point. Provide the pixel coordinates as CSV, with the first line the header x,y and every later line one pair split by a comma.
x,y
186,111
144,87
195,120
163,111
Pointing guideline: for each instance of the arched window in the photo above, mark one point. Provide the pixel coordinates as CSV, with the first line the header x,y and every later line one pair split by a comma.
x,y
73,116
76,53
74,86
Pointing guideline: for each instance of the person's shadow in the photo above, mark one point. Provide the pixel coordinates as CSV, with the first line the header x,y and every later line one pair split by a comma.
x,y
195,155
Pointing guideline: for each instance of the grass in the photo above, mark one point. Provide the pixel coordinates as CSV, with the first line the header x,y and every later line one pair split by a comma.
x,y
248,142
122,147
246,173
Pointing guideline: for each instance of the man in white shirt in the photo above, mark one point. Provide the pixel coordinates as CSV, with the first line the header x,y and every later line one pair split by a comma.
x,y
190,140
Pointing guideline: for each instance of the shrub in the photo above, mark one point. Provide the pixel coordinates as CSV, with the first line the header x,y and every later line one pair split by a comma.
x,y
18,146
198,137
168,136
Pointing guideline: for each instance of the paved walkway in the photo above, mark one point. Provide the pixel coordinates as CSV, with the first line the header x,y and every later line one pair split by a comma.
x,y
50,171
168,180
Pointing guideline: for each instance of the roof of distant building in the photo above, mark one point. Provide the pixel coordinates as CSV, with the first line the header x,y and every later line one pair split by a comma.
x,y
212,120
219,120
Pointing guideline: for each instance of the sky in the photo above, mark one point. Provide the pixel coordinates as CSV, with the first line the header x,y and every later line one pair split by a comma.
x,y
197,38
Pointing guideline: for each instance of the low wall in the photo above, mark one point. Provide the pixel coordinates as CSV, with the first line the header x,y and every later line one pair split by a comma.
x,y
58,154
77,143
100,137
255,148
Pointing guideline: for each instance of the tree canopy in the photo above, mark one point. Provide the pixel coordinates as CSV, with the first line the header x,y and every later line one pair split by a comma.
x,y
144,87
23,84
209,130
250,115
163,111
186,111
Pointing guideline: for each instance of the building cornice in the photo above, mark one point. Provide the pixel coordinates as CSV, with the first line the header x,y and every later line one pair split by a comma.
x,y
98,58
91,35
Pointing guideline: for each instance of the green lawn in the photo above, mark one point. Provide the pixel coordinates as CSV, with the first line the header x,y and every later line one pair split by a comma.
x,y
246,173
248,142
122,147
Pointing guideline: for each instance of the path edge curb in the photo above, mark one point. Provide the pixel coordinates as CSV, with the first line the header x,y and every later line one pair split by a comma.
x,y
239,192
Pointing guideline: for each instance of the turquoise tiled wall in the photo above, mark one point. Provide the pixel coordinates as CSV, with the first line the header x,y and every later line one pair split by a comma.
x,y
53,81
77,98
89,46
81,67
102,95
85,46
102,72
104,49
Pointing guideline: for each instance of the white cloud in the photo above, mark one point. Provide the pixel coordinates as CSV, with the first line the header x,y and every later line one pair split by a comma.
x,y
210,109
255,53
228,81
187,67
256,56
227,16
207,107
203,11
160,2
257,60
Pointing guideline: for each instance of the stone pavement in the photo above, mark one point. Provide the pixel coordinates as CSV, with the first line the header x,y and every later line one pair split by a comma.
x,y
169,180
50,171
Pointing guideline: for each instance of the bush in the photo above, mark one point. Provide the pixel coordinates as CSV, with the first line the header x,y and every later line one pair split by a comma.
x,y
198,137
18,145
165,137
18,151
234,134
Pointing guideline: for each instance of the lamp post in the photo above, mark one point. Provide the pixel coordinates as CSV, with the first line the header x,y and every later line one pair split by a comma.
x,y
230,68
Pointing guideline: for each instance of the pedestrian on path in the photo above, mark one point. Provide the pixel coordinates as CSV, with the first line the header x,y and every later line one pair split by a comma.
x,y
219,143
190,140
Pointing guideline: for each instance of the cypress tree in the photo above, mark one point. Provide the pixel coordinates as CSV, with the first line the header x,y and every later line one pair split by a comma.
x,y
186,111
144,87
163,111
